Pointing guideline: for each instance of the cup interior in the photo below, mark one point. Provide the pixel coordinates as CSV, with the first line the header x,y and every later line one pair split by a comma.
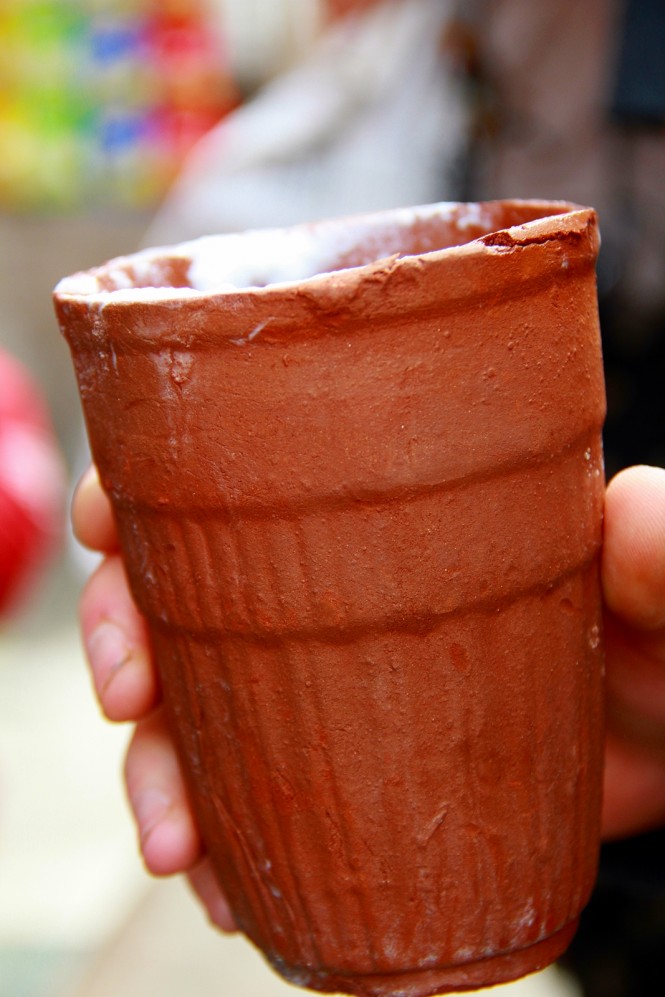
x,y
257,259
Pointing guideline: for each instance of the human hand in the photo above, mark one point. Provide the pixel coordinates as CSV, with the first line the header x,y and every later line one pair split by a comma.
x,y
633,578
116,641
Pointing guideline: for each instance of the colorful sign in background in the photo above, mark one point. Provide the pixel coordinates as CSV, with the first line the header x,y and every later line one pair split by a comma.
x,y
101,99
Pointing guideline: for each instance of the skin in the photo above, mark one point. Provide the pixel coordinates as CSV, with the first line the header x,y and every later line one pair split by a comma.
x,y
633,579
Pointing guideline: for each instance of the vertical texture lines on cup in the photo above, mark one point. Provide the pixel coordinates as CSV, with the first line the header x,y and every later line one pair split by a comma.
x,y
357,564
217,749
223,738
443,771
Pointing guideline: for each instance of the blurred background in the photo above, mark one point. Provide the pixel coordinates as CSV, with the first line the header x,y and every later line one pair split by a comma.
x,y
128,122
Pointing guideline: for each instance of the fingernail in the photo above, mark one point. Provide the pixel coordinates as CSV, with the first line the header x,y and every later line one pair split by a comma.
x,y
220,914
108,651
150,806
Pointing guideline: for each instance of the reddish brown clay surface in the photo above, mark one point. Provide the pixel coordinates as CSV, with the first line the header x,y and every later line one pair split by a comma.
x,y
362,514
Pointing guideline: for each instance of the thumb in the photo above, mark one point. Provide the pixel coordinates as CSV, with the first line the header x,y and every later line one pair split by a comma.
x,y
633,562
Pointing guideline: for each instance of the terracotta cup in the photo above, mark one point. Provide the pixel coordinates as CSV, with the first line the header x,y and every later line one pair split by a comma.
x,y
357,474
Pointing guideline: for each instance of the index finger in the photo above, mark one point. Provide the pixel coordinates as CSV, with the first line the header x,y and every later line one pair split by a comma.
x,y
92,516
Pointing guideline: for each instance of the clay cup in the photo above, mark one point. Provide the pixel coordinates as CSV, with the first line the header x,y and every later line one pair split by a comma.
x,y
357,474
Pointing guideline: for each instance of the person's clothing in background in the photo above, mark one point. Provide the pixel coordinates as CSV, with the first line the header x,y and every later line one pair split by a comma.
x,y
32,486
371,117
572,106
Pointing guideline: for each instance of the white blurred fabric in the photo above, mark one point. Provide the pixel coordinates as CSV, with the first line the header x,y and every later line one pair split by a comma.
x,y
372,118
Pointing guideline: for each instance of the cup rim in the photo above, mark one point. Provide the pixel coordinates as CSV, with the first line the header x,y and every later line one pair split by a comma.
x,y
541,221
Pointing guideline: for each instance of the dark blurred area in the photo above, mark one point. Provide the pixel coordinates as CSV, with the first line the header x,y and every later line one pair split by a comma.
x,y
570,103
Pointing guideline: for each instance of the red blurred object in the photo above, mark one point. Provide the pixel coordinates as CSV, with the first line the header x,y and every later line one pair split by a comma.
x,y
341,8
32,485
193,85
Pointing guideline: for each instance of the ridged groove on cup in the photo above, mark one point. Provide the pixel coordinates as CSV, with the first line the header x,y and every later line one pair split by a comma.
x,y
361,410
352,565
311,789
